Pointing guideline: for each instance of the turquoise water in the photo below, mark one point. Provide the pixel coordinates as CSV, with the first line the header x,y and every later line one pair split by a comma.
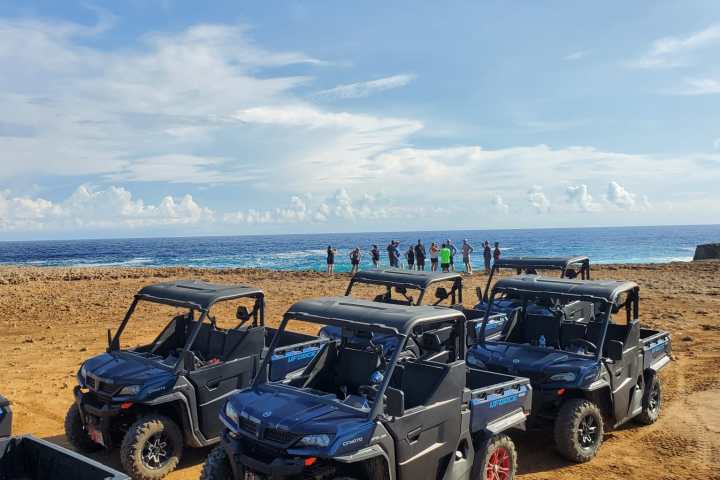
x,y
307,252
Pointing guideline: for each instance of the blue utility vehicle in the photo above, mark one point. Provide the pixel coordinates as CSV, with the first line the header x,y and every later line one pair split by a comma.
x,y
152,400
590,371
357,412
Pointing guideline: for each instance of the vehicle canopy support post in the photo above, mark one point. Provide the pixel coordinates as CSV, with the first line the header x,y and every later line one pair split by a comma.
x,y
193,336
263,372
115,343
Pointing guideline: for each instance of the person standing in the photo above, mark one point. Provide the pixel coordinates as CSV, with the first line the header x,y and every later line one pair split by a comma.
x,y
420,255
375,255
355,259
331,259
445,256
434,256
467,249
487,255
496,252
392,253
410,255
453,252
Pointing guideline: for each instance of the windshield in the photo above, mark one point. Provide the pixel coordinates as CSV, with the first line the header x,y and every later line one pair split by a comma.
x,y
560,323
182,328
350,372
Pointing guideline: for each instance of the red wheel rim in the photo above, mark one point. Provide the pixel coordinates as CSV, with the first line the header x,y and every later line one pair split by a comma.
x,y
498,466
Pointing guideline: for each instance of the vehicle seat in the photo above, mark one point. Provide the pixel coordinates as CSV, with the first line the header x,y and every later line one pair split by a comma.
x,y
355,368
535,326
571,331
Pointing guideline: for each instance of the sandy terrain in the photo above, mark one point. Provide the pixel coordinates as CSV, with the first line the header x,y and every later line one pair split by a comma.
x,y
54,318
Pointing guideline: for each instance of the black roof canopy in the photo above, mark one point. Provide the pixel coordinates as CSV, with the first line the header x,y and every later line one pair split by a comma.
x,y
591,289
404,278
348,311
195,294
540,262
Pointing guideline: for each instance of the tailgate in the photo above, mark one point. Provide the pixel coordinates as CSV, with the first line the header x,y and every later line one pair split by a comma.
x,y
656,350
497,407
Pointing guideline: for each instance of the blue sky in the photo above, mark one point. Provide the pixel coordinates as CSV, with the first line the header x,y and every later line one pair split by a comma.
x,y
152,118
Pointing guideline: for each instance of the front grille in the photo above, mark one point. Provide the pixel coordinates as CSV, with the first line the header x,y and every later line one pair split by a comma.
x,y
282,437
103,389
248,425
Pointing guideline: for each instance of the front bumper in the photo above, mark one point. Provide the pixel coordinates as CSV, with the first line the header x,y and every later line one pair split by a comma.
x,y
98,413
271,463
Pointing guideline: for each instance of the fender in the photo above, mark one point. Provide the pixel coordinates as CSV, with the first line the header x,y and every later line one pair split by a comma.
x,y
384,448
194,436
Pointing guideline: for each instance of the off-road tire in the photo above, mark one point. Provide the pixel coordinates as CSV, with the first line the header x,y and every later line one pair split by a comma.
x,y
145,429
569,426
217,465
76,433
497,452
651,402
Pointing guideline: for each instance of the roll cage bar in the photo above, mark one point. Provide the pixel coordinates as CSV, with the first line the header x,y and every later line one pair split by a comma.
x,y
631,304
531,265
401,280
401,330
257,315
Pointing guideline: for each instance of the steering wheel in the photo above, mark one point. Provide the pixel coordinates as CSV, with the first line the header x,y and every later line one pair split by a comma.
x,y
370,391
587,343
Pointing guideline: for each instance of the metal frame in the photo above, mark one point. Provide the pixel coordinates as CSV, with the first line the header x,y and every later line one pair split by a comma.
x,y
420,281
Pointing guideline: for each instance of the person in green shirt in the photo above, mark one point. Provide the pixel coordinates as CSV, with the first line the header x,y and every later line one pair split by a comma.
x,y
445,254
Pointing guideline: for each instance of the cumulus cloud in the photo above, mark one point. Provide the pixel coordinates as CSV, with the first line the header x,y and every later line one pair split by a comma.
x,y
579,196
618,196
538,200
365,89
673,51
88,207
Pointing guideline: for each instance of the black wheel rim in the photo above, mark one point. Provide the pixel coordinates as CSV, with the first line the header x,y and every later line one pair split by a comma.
x,y
654,401
588,431
156,451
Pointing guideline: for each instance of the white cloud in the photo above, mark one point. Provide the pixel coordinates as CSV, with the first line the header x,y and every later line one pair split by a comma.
x,y
90,208
618,196
365,89
698,86
579,196
575,56
538,200
673,51
499,204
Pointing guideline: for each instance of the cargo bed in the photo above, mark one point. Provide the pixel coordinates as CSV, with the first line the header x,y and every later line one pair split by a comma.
x,y
497,401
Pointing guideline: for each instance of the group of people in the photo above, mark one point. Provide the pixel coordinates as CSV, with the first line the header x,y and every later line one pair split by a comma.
x,y
441,255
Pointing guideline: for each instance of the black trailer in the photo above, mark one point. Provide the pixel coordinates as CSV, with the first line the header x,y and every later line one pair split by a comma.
x,y
30,458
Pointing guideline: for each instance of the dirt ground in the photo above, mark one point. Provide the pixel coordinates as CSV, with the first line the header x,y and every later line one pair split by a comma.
x,y
54,318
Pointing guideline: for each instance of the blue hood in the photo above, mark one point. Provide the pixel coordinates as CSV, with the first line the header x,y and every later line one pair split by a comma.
x,y
302,415
121,369
538,364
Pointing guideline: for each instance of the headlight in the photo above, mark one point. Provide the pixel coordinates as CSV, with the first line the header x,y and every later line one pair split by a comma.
x,y
230,412
319,441
129,391
563,377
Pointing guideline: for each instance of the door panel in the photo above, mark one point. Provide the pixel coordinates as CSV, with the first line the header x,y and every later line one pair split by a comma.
x,y
214,384
625,373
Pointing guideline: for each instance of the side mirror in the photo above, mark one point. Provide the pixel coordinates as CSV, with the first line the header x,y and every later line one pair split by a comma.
x,y
394,402
242,313
441,293
615,350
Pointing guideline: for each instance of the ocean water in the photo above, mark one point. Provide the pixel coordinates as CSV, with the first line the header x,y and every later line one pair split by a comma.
x,y
307,252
